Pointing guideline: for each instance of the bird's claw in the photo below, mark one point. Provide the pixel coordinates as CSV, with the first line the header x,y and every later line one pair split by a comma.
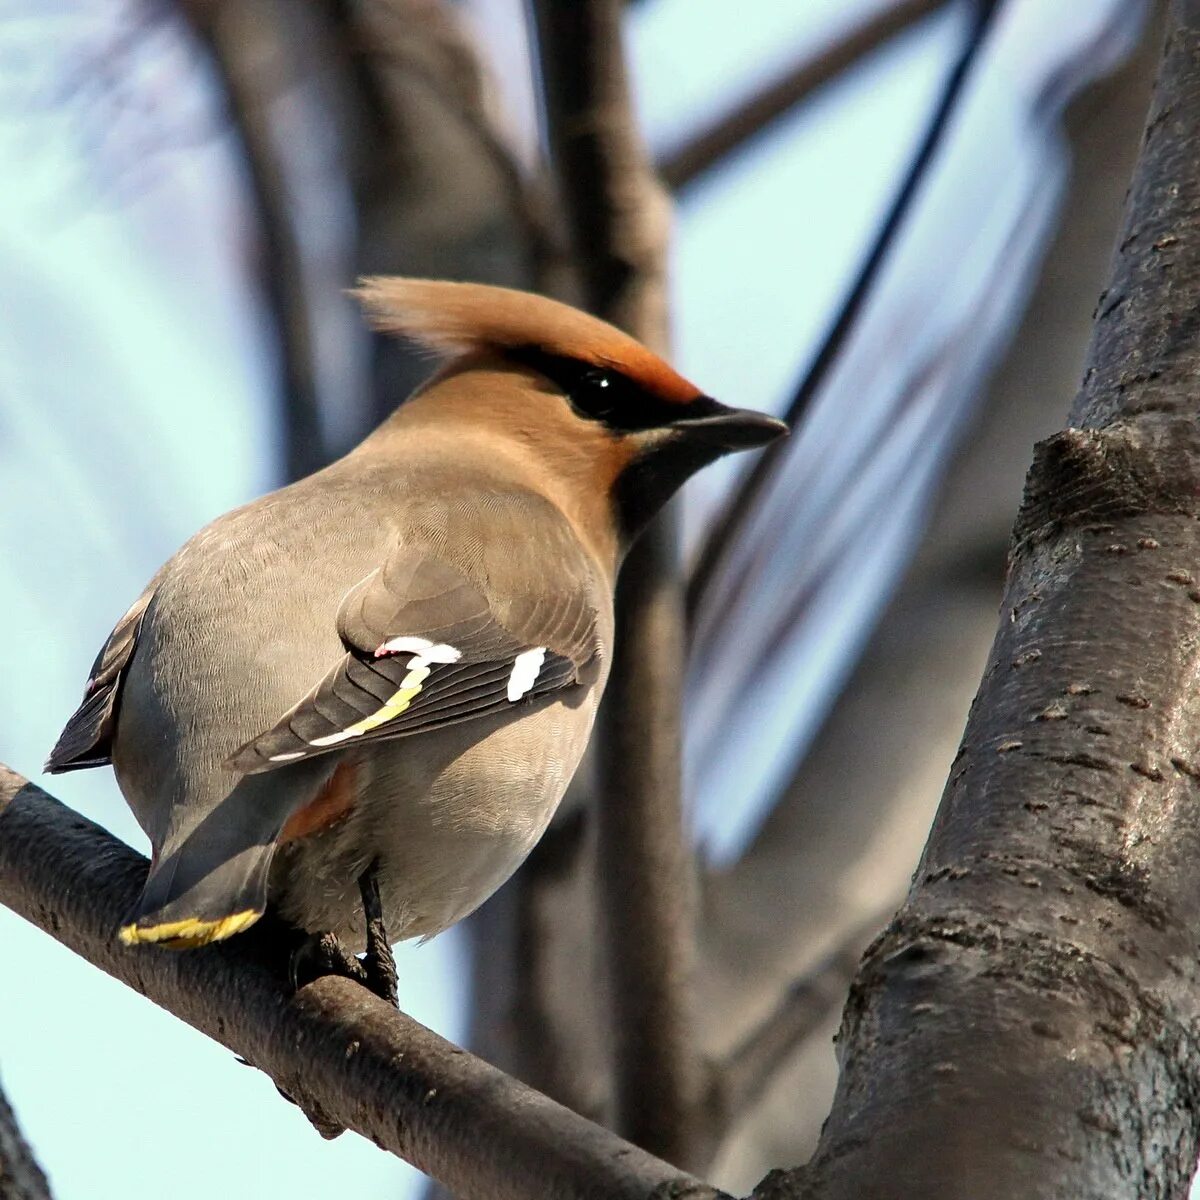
x,y
380,962
322,954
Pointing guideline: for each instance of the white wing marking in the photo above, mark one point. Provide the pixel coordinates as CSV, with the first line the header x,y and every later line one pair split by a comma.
x,y
525,671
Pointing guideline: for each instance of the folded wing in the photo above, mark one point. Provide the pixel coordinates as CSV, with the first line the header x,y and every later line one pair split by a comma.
x,y
426,648
87,739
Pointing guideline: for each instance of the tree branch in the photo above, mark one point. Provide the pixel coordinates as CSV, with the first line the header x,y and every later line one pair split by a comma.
x,y
247,84
752,1065
1027,1025
731,131
333,1045
20,1176
618,217
733,521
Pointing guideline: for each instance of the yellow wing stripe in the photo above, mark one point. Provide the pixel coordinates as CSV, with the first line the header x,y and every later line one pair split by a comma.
x,y
410,688
191,931
408,692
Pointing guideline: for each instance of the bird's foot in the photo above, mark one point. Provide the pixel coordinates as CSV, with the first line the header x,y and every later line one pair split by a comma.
x,y
322,954
317,955
380,962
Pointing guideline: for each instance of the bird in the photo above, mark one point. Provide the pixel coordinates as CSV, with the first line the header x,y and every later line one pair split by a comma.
x,y
360,698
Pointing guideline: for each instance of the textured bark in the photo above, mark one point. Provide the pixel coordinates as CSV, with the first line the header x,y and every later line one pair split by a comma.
x,y
617,215
20,1176
332,1045
1027,1026
846,836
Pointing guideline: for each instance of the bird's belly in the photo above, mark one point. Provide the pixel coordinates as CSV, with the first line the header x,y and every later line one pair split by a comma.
x,y
446,831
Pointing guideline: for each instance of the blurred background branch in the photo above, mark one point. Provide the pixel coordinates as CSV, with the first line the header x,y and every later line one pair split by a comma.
x,y
618,217
729,134
731,525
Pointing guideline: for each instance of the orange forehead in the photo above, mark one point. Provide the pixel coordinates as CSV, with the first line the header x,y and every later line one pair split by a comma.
x,y
636,362
458,318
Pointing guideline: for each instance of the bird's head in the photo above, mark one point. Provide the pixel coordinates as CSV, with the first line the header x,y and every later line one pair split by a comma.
x,y
598,408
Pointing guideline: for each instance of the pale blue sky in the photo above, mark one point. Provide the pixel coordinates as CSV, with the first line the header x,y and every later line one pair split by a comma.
x,y
136,397
847,511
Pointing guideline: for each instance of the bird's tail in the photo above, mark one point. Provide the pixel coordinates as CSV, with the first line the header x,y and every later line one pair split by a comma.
x,y
188,902
209,877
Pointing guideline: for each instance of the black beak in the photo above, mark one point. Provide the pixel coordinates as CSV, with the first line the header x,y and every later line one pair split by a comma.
x,y
729,428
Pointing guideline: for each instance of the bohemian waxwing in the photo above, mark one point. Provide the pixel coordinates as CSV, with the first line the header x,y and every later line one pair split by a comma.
x,y
385,674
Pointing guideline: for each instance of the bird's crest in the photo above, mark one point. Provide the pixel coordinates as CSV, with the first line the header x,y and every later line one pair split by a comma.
x,y
458,318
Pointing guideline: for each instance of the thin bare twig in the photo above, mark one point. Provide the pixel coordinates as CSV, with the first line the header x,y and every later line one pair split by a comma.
x,y
335,1047
728,528
733,129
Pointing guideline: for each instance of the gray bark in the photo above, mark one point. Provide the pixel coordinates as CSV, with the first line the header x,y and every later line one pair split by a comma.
x,y
20,1176
861,806
1026,1025
333,1046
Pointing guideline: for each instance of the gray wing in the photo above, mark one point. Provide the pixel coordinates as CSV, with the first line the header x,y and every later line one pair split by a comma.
x,y
428,647
86,741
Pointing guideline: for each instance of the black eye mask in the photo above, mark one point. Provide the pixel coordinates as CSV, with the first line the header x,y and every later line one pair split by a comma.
x,y
602,394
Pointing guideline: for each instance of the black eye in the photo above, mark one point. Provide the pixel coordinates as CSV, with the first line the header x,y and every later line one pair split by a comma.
x,y
596,379
599,394
595,392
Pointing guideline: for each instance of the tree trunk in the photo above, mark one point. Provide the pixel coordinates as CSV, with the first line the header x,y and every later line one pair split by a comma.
x,y
845,838
1025,1027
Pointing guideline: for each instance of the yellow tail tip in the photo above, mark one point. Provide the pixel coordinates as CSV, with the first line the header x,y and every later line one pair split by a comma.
x,y
188,933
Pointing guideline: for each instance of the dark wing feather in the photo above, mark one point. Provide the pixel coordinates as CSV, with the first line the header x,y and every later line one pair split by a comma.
x,y
87,739
453,659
